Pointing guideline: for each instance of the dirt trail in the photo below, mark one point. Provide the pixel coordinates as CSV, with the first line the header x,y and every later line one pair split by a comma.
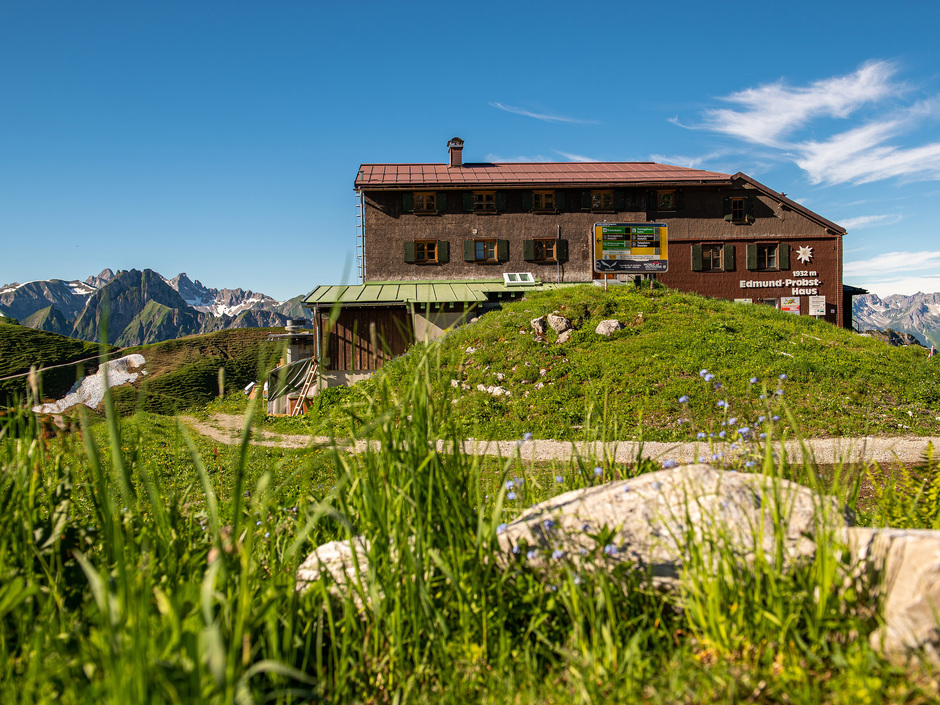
x,y
227,428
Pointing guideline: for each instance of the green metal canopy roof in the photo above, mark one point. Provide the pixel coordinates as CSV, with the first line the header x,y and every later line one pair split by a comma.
x,y
433,292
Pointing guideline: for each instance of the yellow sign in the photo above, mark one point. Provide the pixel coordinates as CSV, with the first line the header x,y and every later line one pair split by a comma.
x,y
630,248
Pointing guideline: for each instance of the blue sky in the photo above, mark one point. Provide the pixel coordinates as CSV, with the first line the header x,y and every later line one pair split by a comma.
x,y
221,139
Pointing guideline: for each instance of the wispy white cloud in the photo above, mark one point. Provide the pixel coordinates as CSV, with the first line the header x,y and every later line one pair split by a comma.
x,y
575,157
860,156
870,221
768,113
771,115
690,162
544,117
877,267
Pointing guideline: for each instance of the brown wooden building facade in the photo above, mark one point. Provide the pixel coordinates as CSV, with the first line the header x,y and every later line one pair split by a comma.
x,y
729,236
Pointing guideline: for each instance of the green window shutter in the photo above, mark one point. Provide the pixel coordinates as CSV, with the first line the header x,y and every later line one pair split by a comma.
x,y
752,256
440,201
502,250
585,200
559,200
527,201
728,259
651,203
469,251
620,200
561,251
528,250
783,256
696,258
467,201
410,252
749,205
408,202
680,199
501,201
443,251
728,208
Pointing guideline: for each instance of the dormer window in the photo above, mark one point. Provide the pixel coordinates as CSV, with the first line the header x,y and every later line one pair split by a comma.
x,y
484,201
425,202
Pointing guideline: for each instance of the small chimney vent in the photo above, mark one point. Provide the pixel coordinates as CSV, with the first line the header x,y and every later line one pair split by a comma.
x,y
455,150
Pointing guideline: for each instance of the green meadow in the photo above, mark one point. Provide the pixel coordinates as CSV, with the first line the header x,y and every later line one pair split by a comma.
x,y
142,563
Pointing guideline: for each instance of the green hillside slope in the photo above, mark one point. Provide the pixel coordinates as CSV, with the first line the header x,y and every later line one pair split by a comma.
x,y
629,385
48,319
21,347
183,373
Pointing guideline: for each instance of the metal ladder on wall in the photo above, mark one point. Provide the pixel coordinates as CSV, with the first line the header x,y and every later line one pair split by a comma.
x,y
312,374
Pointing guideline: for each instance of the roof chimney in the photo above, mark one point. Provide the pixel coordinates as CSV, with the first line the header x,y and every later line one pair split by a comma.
x,y
455,149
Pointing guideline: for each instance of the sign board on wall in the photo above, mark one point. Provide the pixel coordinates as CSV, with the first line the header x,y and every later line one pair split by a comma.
x,y
817,305
790,304
630,248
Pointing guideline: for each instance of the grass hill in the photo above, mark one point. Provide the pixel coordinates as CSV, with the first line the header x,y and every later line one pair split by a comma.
x,y
21,347
629,385
185,372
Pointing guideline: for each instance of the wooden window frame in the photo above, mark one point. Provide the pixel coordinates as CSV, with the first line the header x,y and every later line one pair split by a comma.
x,y
602,201
667,200
545,249
486,243
709,254
484,201
426,251
543,202
425,202
738,206
765,254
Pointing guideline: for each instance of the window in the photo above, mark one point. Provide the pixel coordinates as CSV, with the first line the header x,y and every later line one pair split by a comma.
x,y
544,250
488,251
666,200
484,201
711,258
738,209
602,200
425,250
766,257
425,202
484,250
543,200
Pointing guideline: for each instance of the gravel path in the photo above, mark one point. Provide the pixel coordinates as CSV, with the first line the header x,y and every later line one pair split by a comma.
x,y
226,428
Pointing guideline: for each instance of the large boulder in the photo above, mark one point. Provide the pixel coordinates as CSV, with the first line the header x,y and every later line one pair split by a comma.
x,y
657,518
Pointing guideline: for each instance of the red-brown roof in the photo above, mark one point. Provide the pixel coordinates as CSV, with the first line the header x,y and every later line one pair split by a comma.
x,y
548,173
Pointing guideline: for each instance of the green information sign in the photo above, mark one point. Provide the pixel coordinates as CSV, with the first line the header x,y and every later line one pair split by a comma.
x,y
630,248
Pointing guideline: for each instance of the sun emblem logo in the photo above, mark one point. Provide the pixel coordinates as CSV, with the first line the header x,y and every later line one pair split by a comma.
x,y
804,254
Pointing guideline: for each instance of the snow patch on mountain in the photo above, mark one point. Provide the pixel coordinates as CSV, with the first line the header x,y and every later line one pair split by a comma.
x,y
90,390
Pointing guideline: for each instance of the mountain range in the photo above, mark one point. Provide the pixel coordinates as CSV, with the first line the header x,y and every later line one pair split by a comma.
x,y
140,307
917,315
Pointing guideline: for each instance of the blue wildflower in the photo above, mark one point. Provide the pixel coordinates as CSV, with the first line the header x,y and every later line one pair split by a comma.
x,y
709,377
753,380
657,486
732,420
510,496
548,524
559,479
610,549
527,436
500,529
700,435
722,404
783,376
598,471
779,392
667,464
516,550
702,373
749,464
531,554
557,554
510,484
774,418
721,434
683,399
744,431
760,419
